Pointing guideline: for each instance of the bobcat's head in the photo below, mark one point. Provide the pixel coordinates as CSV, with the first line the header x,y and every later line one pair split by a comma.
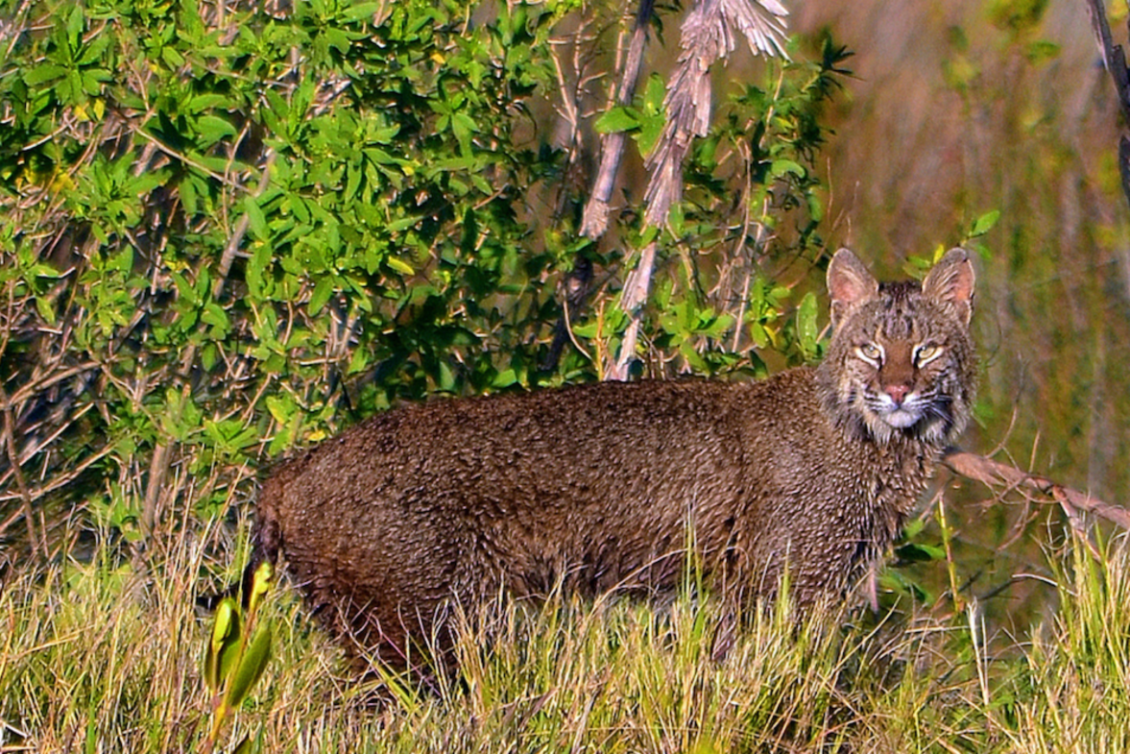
x,y
901,360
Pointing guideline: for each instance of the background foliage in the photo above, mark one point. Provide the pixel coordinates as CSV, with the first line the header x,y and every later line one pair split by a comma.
x,y
232,229
957,108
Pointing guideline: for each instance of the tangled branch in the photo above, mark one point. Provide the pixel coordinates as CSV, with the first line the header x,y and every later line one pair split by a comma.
x,y
708,35
1003,477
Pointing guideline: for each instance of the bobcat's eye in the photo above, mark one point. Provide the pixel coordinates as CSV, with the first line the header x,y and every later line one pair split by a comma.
x,y
870,352
924,354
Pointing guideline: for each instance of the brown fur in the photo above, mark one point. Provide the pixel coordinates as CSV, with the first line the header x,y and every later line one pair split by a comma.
x,y
598,485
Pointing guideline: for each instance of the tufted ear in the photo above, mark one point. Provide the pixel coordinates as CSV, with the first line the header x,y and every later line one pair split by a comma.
x,y
849,285
951,282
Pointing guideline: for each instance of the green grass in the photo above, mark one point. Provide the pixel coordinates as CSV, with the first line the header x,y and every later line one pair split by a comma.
x,y
104,656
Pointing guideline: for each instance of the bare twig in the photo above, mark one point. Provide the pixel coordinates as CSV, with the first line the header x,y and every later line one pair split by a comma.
x,y
21,484
995,474
575,286
60,481
39,385
241,229
162,455
186,159
12,29
632,299
595,220
576,289
708,34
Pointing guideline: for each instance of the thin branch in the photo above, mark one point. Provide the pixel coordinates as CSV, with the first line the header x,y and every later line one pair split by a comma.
x,y
995,474
162,455
62,480
595,220
632,298
241,228
707,35
21,484
186,159
32,387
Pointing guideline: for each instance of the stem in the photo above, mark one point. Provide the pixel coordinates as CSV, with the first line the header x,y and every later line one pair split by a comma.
x,y
951,566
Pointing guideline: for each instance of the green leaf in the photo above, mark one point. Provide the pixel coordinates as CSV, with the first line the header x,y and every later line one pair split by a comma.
x,y
92,80
214,315
260,584
651,128
399,265
404,223
917,552
323,289
445,379
75,26
209,355
45,309
225,631
505,378
202,102
212,128
279,409
251,666
172,58
43,73
781,168
913,528
758,334
256,220
807,331
358,362
985,223
616,120
654,94
361,11
352,182
188,196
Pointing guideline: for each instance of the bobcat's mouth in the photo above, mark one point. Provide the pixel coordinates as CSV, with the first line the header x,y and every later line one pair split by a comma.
x,y
923,415
897,415
901,418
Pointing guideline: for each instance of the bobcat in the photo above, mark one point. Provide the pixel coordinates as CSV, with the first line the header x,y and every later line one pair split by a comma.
x,y
595,487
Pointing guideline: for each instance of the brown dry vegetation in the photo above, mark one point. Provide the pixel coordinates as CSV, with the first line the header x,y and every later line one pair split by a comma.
x,y
947,118
953,113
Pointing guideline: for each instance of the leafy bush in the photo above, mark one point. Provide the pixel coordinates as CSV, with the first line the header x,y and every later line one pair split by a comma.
x,y
234,228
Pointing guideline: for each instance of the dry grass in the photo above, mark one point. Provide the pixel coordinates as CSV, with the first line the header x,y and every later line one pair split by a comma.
x,y
104,656
1078,667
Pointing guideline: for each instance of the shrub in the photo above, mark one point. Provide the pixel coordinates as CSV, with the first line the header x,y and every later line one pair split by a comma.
x,y
231,229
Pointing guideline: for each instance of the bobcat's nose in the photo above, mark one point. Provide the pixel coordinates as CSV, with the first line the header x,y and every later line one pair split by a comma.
x,y
897,393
